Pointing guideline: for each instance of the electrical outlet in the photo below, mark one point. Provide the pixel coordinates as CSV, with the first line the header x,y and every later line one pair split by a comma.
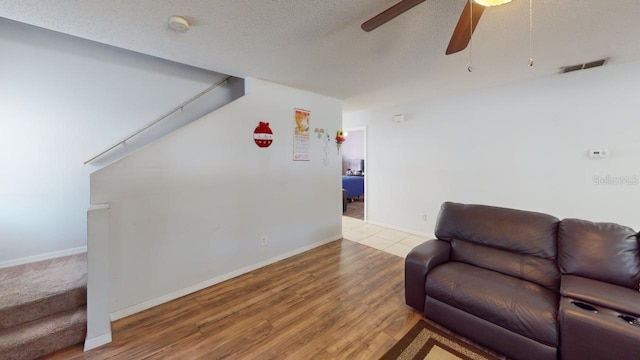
x,y
263,240
423,217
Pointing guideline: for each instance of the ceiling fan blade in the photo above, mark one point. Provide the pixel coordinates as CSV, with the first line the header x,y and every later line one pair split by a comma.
x,y
462,34
389,14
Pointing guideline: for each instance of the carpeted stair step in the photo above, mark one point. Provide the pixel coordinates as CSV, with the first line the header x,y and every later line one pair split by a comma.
x,y
37,290
43,336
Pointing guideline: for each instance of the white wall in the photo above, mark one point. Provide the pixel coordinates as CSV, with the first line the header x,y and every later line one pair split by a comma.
x,y
522,146
191,209
64,100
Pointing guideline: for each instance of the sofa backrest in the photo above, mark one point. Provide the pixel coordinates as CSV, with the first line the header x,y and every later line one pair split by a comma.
x,y
601,251
513,242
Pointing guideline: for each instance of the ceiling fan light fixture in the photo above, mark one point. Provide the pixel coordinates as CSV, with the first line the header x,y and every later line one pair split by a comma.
x,y
491,2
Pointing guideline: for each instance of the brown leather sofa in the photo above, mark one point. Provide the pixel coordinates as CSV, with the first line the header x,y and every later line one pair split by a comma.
x,y
529,285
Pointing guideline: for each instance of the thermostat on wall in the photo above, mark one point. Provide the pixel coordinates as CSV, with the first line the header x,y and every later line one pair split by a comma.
x,y
398,118
598,153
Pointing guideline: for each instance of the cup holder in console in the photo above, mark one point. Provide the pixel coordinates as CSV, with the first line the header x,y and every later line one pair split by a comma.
x,y
584,306
631,320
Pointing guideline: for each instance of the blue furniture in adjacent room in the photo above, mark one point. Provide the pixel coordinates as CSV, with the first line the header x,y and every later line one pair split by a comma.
x,y
354,185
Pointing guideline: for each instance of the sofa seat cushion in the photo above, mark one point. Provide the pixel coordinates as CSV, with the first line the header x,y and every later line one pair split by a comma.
x,y
599,293
514,304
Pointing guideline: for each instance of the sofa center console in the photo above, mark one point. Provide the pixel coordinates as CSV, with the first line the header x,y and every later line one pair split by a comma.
x,y
597,334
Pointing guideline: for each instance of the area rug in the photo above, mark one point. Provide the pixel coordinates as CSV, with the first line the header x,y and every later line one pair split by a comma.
x,y
426,342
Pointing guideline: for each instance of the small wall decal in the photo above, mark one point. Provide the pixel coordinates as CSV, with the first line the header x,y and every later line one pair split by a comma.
x,y
262,135
323,135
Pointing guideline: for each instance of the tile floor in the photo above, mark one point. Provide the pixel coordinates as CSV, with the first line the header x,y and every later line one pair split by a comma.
x,y
392,241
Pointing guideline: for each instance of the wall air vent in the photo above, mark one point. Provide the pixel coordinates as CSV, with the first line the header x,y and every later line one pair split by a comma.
x,y
593,64
589,65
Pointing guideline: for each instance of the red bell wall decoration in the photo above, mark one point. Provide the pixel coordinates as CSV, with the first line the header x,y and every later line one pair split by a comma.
x,y
262,135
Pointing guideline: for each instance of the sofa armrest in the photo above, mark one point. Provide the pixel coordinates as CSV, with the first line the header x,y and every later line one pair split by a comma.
x,y
599,293
418,263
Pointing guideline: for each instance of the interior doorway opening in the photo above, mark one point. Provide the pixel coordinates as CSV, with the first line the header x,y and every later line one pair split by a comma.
x,y
354,173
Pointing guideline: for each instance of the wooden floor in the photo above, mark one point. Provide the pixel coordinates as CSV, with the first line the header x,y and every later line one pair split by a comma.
x,y
342,300
355,208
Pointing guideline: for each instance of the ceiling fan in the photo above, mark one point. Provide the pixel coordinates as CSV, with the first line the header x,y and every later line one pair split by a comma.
x,y
463,31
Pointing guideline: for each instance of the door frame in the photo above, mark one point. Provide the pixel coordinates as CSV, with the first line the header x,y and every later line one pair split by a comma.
x,y
366,166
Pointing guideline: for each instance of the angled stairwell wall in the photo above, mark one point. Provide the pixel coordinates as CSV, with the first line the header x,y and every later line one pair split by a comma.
x,y
220,93
65,99
193,208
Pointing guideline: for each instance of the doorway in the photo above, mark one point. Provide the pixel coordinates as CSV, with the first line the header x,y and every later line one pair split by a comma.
x,y
354,176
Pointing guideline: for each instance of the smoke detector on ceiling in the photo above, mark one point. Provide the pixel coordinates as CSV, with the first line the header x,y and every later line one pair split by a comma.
x,y
178,23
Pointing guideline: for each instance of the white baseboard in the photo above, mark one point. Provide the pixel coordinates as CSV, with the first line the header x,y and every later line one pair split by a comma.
x,y
40,257
430,236
218,279
97,341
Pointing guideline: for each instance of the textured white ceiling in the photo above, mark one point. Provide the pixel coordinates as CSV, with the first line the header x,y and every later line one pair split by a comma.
x,y
318,45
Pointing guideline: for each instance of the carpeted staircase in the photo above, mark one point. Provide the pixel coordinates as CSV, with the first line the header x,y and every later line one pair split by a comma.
x,y
43,307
